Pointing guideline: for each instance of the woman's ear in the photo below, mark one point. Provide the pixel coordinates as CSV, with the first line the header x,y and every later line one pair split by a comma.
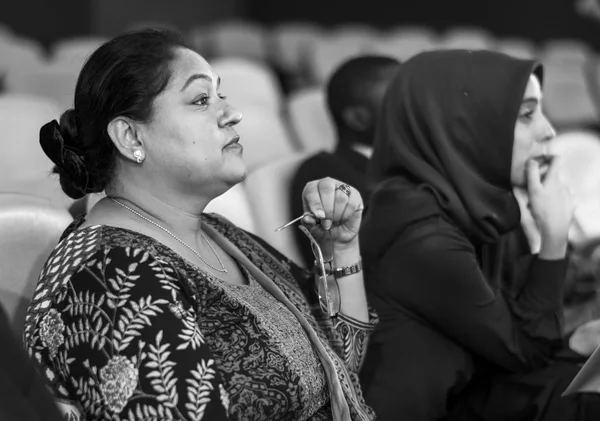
x,y
357,118
125,135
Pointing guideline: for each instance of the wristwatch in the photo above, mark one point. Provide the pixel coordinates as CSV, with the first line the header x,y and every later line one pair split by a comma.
x,y
339,272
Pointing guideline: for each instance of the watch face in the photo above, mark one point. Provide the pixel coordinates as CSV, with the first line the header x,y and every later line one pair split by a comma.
x,y
348,270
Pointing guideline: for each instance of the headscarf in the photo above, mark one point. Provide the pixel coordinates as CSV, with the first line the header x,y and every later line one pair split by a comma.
x,y
444,143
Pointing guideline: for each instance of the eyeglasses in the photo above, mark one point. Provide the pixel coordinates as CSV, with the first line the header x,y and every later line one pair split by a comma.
x,y
327,286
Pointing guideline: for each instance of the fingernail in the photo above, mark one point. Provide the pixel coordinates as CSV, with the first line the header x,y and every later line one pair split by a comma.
x,y
320,214
309,220
326,224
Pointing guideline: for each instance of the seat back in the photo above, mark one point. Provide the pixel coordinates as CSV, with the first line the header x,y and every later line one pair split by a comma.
x,y
290,43
248,82
403,43
75,51
235,206
197,39
566,51
55,81
30,228
268,191
18,54
580,153
238,38
337,47
264,135
568,99
21,117
47,188
516,47
310,120
467,38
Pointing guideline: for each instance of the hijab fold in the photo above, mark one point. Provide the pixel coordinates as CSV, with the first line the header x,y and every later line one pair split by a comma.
x,y
444,143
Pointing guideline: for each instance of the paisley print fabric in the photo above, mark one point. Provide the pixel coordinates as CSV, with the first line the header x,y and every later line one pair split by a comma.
x,y
126,329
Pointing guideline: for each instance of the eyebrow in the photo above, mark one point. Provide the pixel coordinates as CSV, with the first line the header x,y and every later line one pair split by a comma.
x,y
530,101
197,76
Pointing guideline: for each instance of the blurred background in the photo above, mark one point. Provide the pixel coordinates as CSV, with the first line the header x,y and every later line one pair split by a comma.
x,y
274,57
538,20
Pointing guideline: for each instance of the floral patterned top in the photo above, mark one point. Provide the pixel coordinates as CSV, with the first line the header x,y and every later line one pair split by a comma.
x,y
127,329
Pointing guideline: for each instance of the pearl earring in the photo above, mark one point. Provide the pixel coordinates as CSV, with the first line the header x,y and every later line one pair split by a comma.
x,y
138,156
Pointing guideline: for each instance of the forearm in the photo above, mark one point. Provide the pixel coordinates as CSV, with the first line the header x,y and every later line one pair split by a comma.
x,y
352,287
553,247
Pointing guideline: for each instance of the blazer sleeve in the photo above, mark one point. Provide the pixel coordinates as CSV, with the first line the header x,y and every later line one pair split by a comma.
x,y
436,276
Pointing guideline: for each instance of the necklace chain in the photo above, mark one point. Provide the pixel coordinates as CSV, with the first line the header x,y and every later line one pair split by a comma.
x,y
222,269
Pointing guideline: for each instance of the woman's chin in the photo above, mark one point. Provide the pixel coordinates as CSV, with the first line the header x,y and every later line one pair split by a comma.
x,y
237,174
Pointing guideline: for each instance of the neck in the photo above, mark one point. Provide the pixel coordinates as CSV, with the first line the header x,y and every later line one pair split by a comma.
x,y
354,140
362,149
168,211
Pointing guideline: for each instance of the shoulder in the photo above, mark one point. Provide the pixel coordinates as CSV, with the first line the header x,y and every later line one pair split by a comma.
x,y
91,256
434,234
315,166
71,254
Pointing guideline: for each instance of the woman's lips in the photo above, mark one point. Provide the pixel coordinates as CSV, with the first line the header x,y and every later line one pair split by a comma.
x,y
544,162
233,143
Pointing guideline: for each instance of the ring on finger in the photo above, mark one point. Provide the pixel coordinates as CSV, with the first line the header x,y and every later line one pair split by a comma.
x,y
344,188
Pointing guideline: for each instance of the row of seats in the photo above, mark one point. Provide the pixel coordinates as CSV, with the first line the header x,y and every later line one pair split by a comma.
x,y
311,53
290,45
30,226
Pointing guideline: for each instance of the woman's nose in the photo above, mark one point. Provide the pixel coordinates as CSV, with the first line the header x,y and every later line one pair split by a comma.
x,y
549,132
230,117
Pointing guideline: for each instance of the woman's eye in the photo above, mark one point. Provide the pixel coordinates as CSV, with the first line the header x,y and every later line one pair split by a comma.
x,y
203,100
528,115
223,97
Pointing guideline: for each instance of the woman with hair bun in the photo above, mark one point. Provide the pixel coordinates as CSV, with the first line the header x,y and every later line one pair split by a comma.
x,y
150,309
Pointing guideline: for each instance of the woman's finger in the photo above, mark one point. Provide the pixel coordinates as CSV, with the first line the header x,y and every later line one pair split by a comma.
x,y
341,202
554,173
534,182
326,188
309,221
311,200
354,205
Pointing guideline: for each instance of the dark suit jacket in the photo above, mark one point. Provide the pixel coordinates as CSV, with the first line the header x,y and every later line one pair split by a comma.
x,y
23,393
345,165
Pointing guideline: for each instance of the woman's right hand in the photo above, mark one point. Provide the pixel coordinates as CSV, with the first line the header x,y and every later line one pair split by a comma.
x,y
552,207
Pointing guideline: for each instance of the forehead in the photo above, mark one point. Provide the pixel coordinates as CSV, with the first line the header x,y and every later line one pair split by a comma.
x,y
534,89
186,64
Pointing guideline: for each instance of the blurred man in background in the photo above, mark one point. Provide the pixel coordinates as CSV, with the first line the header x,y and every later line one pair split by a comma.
x,y
354,95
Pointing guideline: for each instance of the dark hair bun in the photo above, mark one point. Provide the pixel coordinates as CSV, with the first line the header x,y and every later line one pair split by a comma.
x,y
74,176
61,145
68,127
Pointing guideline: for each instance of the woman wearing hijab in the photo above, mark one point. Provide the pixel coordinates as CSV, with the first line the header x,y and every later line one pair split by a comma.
x,y
458,131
